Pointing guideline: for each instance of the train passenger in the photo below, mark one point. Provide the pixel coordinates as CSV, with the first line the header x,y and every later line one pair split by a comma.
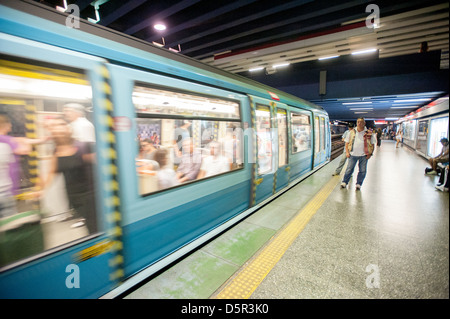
x,y
191,161
379,135
344,153
147,149
74,160
441,158
359,148
166,175
215,163
19,146
82,129
181,133
443,184
399,137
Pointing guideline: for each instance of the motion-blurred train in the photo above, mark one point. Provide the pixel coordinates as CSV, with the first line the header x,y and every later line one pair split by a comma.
x,y
88,215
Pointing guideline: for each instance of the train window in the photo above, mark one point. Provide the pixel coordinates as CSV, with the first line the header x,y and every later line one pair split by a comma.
x,y
322,133
316,134
301,132
282,137
47,158
158,101
264,136
184,137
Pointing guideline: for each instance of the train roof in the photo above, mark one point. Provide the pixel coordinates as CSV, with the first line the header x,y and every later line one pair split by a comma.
x,y
109,44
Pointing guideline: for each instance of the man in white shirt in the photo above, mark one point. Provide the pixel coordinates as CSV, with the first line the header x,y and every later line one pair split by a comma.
x,y
215,163
82,129
359,146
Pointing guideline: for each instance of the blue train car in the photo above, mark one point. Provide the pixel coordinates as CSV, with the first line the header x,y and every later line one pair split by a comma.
x,y
118,157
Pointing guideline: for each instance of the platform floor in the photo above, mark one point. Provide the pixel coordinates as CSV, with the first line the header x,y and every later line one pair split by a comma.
x,y
389,240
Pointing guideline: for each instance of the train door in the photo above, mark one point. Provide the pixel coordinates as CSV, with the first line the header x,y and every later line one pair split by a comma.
x,y
271,170
54,240
283,168
320,152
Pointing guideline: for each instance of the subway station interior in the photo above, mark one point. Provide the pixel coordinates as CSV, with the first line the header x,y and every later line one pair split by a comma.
x,y
211,150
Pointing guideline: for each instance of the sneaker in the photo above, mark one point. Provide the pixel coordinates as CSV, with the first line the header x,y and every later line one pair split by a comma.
x,y
335,174
442,188
432,173
358,187
343,185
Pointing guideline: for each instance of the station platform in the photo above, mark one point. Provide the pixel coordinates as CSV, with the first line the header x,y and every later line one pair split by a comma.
x,y
319,241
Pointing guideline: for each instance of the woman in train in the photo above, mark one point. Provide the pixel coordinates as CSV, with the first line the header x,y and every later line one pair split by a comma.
x,y
73,159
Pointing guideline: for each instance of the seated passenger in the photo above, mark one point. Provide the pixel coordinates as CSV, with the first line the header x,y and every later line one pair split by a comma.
x,y
441,158
215,163
191,162
166,175
443,184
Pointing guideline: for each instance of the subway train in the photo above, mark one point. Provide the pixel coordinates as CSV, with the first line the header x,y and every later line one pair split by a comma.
x,y
119,157
423,129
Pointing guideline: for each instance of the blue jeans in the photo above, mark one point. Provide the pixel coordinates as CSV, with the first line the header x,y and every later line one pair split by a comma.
x,y
362,167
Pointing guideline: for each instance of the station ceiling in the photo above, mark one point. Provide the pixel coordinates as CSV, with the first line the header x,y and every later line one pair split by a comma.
x,y
265,35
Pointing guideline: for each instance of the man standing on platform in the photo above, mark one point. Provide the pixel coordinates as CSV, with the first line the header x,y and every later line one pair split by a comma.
x,y
344,153
359,146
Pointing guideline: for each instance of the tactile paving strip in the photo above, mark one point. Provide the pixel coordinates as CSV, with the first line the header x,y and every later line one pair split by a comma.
x,y
245,282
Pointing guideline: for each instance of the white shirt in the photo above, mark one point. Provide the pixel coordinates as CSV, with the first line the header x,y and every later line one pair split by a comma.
x,y
83,130
215,165
358,144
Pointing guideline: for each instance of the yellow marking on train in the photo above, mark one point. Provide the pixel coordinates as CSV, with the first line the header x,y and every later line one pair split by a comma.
x,y
12,102
93,251
248,278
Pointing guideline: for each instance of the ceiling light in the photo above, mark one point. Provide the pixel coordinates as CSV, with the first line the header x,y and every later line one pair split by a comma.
x,y
391,118
159,27
364,51
256,69
328,57
360,112
280,65
352,103
412,100
403,107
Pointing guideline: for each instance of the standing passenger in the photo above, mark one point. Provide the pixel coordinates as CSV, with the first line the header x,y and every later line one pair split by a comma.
x,y
359,148
82,129
399,137
215,163
379,134
191,162
344,153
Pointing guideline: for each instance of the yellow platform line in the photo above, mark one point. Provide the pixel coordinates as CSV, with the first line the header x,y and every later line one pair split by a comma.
x,y
245,282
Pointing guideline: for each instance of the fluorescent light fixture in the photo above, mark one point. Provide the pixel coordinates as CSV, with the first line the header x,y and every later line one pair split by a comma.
x,y
329,57
412,100
280,65
360,112
159,27
403,107
362,108
391,118
256,69
352,103
364,51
